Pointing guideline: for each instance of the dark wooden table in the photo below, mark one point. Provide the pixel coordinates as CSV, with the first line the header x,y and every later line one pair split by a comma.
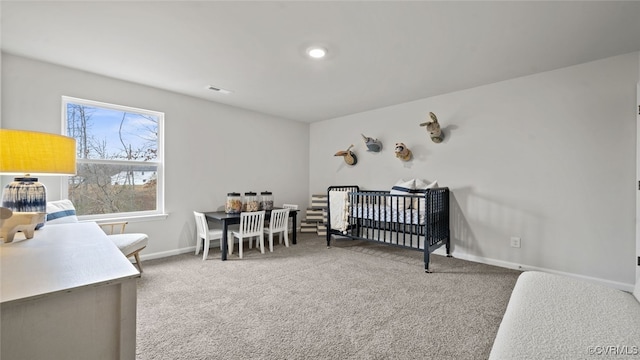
x,y
230,219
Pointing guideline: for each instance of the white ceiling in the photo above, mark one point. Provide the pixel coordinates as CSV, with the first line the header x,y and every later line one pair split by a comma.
x,y
380,53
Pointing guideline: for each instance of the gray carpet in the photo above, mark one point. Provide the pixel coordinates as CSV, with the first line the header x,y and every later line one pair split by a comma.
x,y
357,300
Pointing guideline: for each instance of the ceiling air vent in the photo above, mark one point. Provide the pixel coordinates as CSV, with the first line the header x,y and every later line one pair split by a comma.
x,y
220,90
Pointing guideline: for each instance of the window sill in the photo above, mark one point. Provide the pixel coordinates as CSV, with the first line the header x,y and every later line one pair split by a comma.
x,y
131,219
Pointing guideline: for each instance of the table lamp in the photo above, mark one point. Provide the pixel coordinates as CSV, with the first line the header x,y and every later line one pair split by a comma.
x,y
30,153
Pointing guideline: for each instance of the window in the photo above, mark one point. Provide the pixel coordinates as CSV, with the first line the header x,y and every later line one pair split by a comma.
x,y
119,159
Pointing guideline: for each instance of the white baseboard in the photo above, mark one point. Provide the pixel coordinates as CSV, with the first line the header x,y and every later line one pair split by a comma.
x,y
514,266
162,254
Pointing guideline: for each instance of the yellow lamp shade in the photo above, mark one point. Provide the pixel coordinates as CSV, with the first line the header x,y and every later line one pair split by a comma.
x,y
30,152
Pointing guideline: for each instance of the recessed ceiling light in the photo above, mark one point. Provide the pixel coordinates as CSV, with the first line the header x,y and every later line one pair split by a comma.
x,y
220,90
317,52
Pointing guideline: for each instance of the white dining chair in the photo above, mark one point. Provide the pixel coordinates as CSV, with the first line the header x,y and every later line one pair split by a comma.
x,y
292,227
205,235
251,224
278,224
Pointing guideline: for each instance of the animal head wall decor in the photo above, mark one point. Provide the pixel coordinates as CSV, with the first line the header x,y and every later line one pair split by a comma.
x,y
349,156
402,152
372,144
433,128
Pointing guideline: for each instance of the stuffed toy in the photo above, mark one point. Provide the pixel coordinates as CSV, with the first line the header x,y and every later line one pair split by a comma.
x,y
349,156
433,128
402,152
372,144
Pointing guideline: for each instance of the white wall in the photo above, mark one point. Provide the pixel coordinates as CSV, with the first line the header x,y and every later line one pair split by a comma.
x,y
549,158
210,149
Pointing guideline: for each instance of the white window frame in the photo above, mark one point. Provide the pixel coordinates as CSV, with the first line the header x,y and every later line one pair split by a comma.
x,y
159,212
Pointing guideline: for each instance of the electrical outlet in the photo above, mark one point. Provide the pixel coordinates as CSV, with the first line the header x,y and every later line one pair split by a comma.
x,y
515,242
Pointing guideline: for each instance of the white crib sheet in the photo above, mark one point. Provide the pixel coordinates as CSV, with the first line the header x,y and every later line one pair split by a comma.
x,y
388,214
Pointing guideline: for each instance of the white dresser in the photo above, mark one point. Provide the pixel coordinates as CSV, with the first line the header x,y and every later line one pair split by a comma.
x,y
68,293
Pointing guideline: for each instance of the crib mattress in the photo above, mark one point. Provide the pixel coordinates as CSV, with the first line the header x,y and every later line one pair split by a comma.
x,y
389,214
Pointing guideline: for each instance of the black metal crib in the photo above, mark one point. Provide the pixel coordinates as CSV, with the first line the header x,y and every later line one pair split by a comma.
x,y
418,221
